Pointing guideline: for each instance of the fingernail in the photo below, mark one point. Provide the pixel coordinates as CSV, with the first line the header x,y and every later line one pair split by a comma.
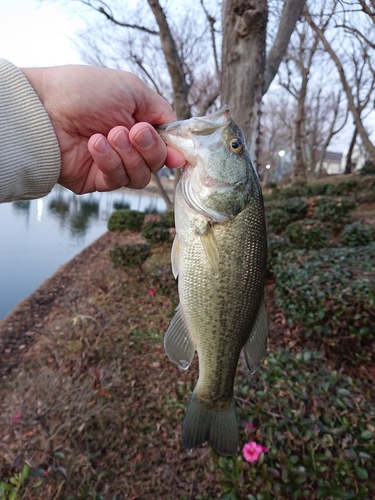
x,y
121,140
144,138
101,146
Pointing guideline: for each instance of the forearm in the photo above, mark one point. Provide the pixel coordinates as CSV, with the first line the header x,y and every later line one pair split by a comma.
x,y
29,151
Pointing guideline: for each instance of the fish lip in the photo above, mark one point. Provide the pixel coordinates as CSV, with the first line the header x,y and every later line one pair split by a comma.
x,y
217,119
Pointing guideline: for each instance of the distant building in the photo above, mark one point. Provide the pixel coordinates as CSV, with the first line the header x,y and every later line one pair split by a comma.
x,y
332,163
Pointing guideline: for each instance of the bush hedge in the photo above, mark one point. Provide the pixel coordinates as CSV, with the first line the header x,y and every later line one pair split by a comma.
x,y
329,292
123,219
130,255
334,211
309,234
357,234
155,231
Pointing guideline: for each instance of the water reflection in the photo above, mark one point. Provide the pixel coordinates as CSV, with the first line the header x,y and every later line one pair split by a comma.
x,y
38,236
75,212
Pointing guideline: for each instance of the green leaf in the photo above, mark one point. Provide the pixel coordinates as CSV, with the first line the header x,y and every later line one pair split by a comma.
x,y
361,473
25,472
366,435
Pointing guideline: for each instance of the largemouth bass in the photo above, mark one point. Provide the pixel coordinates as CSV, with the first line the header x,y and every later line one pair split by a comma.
x,y
219,255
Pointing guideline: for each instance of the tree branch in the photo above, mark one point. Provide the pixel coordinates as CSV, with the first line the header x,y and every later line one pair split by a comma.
x,y
211,20
367,10
356,32
291,12
174,63
106,11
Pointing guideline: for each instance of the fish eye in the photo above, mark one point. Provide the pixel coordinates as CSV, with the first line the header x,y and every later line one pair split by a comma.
x,y
236,145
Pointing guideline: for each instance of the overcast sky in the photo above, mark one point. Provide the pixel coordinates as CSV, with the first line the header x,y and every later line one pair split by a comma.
x,y
35,33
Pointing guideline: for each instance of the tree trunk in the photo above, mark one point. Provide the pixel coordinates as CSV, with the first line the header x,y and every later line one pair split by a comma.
x,y
299,172
243,64
348,165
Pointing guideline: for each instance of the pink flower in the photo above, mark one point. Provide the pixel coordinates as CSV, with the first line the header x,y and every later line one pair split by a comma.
x,y
252,450
16,419
151,291
153,219
250,426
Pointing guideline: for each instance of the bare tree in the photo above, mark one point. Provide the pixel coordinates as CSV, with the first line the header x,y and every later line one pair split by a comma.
x,y
355,66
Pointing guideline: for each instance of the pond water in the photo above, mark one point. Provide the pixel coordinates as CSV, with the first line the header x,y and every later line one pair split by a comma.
x,y
38,236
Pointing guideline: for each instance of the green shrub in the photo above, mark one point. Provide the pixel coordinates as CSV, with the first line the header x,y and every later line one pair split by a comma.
x,y
368,168
334,211
155,231
168,218
367,184
277,246
130,255
329,292
309,234
317,428
294,191
123,219
357,234
317,188
342,188
296,208
277,220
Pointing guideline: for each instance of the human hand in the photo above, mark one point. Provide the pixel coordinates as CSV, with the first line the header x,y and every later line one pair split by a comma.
x,y
103,122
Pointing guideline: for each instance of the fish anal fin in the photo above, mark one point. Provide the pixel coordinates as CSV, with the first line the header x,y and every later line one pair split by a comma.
x,y
255,349
211,249
177,343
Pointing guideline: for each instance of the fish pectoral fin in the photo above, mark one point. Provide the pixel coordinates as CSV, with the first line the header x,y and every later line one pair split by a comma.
x,y
255,349
211,249
175,256
177,343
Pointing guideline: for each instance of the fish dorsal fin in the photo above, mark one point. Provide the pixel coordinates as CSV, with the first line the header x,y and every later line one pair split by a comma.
x,y
255,349
177,341
211,249
175,256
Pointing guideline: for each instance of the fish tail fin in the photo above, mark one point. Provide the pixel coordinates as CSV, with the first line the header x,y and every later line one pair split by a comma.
x,y
217,427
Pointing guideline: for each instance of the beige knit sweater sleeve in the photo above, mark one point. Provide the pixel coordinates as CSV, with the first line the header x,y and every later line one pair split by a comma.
x,y
29,151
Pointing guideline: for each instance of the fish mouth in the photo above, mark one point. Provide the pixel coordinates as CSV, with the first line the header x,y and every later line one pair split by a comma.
x,y
192,136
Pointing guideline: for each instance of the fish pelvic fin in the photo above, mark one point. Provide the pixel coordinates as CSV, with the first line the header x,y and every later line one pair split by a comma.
x,y
177,343
175,256
219,428
255,349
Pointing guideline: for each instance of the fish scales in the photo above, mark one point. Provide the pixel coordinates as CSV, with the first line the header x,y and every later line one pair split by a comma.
x,y
222,307
219,255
